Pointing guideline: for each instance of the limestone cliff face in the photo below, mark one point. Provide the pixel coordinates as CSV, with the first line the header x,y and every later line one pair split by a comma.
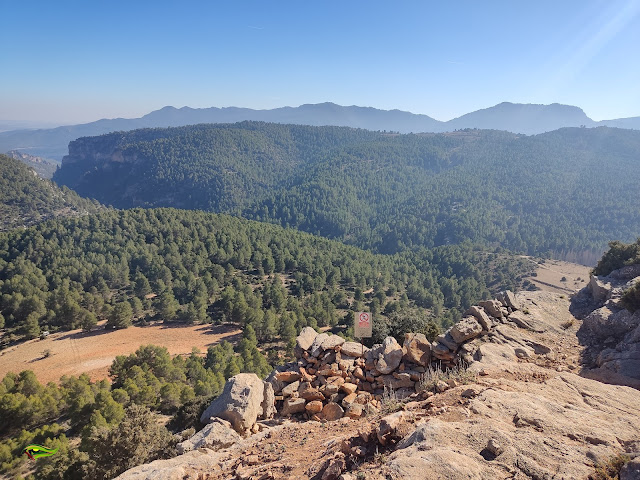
x,y
96,152
101,168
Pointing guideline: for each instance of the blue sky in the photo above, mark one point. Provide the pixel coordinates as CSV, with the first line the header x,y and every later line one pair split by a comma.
x,y
75,61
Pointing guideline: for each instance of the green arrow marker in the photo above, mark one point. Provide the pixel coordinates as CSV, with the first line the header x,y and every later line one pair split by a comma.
x,y
36,451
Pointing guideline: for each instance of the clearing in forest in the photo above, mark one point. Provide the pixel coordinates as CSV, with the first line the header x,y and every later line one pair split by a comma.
x,y
75,352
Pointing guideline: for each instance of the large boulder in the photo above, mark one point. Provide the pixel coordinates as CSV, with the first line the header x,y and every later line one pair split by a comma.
x,y
332,411
393,427
309,392
481,316
332,342
316,346
442,352
290,389
604,322
390,356
353,349
447,340
627,272
508,299
288,376
465,329
599,288
217,435
631,470
314,407
305,339
277,377
293,405
624,361
492,307
417,349
268,402
240,402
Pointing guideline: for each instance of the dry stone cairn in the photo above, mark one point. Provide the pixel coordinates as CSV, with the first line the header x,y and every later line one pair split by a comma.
x,y
332,378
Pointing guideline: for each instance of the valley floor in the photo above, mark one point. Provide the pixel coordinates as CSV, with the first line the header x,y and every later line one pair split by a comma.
x,y
76,352
560,277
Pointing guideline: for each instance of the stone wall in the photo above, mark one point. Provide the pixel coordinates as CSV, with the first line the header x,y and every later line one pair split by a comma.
x,y
332,378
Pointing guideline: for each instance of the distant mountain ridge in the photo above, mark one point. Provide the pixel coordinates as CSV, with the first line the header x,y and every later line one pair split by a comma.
x,y
526,119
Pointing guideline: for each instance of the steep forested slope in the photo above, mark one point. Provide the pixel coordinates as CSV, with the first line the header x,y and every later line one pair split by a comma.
x,y
26,199
194,267
565,192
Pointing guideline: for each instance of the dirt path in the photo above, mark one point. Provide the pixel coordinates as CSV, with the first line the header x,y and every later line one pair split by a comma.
x,y
75,352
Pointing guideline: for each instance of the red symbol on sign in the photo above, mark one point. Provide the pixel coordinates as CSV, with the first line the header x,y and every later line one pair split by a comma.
x,y
363,320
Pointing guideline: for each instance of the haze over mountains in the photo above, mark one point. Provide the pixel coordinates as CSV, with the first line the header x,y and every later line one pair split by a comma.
x,y
526,119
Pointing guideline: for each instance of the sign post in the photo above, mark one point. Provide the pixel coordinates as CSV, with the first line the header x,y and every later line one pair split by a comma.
x,y
363,326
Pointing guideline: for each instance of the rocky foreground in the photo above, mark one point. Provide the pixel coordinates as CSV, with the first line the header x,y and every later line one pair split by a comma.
x,y
521,410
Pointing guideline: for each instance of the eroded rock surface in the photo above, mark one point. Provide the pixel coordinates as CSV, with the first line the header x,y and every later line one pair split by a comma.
x,y
610,333
215,436
523,415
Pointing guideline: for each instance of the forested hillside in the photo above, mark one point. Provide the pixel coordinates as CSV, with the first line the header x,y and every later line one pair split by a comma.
x,y
194,267
26,199
559,193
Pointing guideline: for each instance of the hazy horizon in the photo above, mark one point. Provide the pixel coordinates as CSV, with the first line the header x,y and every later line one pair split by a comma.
x,y
5,124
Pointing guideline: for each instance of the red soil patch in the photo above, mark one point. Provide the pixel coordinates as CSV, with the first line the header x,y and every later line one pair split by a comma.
x,y
75,352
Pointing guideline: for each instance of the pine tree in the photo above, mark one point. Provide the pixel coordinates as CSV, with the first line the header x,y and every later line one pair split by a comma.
x,y
31,326
121,315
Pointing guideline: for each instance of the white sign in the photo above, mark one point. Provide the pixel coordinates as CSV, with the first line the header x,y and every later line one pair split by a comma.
x,y
363,325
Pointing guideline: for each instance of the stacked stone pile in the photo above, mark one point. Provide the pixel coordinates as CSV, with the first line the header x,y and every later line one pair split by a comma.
x,y
461,342
333,378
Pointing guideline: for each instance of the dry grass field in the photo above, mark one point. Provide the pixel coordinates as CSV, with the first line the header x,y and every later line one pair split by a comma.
x,y
75,352
560,277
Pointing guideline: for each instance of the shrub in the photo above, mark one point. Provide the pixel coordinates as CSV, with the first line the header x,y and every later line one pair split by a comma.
x,y
460,373
610,470
136,440
631,298
390,402
619,255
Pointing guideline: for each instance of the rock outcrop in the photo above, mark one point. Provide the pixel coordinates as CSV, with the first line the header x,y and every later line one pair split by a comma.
x,y
216,435
460,343
523,415
610,332
241,402
552,429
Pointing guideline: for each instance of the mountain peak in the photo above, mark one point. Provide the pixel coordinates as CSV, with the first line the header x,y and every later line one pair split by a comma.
x,y
527,118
